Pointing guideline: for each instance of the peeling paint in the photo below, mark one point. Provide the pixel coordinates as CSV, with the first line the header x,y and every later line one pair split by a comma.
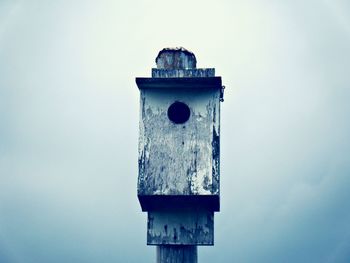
x,y
179,159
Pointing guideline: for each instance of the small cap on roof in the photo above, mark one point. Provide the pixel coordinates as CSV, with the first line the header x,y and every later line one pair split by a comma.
x,y
176,58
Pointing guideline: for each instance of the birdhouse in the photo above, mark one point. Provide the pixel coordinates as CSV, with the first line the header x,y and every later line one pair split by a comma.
x,y
179,136
179,151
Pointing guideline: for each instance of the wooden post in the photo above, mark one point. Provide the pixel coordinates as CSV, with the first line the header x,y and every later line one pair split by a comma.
x,y
176,254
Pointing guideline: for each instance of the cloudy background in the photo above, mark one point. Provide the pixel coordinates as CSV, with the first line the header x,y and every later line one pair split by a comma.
x,y
69,126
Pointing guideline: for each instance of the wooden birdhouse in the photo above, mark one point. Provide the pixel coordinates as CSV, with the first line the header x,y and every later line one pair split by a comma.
x,y
179,137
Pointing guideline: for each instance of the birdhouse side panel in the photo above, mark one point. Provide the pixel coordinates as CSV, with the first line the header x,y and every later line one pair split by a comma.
x,y
216,144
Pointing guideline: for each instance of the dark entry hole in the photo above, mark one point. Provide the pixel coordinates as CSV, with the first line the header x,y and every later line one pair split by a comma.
x,y
178,112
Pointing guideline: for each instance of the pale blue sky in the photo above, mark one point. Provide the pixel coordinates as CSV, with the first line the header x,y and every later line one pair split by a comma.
x,y
69,126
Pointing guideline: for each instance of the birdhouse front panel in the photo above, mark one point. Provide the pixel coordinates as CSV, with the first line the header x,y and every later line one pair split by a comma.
x,y
179,142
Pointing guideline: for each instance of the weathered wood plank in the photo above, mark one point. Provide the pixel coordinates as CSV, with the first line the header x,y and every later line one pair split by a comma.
x,y
177,254
183,227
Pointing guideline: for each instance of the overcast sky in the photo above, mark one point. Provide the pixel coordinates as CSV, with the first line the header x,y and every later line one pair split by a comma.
x,y
69,126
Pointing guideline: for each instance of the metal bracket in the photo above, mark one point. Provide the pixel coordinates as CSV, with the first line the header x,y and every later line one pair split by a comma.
x,y
222,93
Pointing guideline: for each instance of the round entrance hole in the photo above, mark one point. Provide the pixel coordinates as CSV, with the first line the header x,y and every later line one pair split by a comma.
x,y
178,112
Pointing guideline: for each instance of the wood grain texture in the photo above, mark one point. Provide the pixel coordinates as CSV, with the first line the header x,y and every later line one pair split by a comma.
x,y
182,227
177,254
179,159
